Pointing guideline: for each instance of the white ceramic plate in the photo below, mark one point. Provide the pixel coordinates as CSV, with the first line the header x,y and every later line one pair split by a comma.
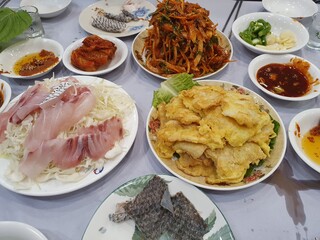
x,y
10,55
115,6
47,9
101,228
279,23
6,90
119,57
10,230
265,59
138,44
268,167
292,8
300,125
55,187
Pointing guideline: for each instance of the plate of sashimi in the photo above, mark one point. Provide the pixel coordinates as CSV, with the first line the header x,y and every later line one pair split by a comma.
x,y
61,135
157,207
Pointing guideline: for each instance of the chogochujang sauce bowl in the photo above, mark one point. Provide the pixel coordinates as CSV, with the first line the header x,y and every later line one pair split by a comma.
x,y
266,59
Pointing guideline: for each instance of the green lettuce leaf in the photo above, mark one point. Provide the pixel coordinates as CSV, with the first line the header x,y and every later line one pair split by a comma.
x,y
13,23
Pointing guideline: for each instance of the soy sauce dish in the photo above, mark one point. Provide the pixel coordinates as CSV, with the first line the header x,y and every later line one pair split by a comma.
x,y
286,77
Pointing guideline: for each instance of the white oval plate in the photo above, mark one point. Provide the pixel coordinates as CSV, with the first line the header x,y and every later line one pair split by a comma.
x,y
292,8
138,44
305,121
47,9
279,23
55,187
114,6
119,57
101,228
11,230
7,94
269,165
10,55
265,59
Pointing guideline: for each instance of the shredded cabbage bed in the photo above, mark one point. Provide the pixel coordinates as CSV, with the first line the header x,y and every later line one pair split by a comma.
x,y
111,101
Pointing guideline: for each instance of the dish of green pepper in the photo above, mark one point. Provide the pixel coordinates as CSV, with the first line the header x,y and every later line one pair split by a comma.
x,y
256,33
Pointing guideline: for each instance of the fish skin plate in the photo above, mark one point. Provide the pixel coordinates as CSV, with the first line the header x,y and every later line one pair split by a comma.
x,y
114,6
268,167
101,228
55,187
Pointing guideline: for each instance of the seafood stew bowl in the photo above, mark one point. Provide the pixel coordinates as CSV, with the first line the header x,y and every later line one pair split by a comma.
x,y
297,9
279,23
298,127
10,55
265,59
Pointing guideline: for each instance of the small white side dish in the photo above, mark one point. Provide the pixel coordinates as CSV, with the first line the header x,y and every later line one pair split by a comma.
x,y
48,9
10,55
300,125
266,59
19,231
6,92
292,8
119,57
279,23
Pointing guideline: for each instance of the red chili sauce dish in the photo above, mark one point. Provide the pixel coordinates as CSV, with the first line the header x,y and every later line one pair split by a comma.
x,y
289,79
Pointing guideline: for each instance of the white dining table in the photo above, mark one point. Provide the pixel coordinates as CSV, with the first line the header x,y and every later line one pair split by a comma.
x,y
284,206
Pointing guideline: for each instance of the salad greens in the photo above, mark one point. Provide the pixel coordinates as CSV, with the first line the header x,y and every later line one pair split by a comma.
x,y
256,33
13,23
171,87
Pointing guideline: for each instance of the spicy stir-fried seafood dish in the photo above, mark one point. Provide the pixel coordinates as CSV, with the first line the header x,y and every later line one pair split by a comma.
x,y
62,129
211,132
182,38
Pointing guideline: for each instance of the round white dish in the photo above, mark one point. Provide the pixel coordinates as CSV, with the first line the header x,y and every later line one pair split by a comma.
x,y
6,90
138,44
265,59
55,187
119,57
115,6
300,125
269,165
101,228
10,55
279,23
292,8
19,231
48,9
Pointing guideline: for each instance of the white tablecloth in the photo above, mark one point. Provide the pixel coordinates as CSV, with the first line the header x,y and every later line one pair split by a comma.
x,y
285,206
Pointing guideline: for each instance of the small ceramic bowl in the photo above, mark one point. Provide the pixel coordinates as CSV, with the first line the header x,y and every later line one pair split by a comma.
x,y
47,9
6,90
297,9
266,59
119,57
19,231
279,24
300,125
10,55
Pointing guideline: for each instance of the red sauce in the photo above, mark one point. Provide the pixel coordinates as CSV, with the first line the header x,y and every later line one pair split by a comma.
x,y
283,79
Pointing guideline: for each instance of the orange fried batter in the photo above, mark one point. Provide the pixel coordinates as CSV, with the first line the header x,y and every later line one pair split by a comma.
x,y
94,53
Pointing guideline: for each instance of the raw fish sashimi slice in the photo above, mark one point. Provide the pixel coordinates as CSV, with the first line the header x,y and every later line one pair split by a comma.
x,y
53,119
27,103
67,153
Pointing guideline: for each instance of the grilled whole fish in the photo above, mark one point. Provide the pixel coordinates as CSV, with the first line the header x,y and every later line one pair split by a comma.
x,y
155,212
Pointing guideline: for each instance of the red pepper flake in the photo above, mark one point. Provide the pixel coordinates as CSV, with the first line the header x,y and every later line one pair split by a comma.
x,y
154,125
255,176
